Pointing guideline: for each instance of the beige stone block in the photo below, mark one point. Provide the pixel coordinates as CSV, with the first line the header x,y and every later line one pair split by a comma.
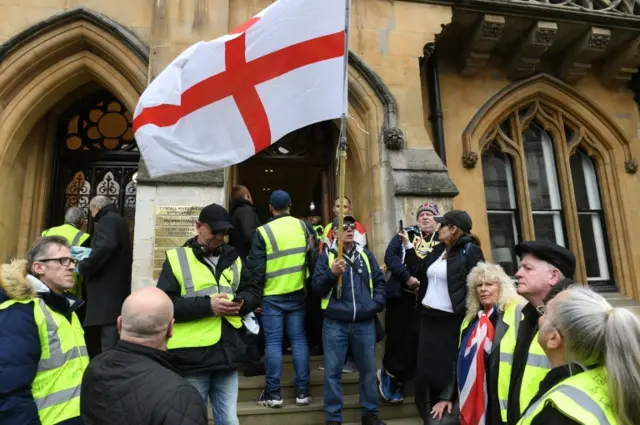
x,y
421,17
376,14
409,44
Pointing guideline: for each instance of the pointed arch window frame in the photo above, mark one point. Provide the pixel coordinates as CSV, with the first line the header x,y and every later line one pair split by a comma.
x,y
560,107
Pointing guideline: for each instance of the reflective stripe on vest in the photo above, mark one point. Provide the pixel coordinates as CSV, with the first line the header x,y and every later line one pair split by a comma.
x,y
583,398
331,256
197,280
74,236
534,372
63,359
286,255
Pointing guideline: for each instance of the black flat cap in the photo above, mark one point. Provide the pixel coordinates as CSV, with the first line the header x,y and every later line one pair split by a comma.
x,y
554,254
216,217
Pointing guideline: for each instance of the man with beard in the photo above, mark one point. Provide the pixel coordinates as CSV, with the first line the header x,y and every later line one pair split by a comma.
x,y
210,288
401,321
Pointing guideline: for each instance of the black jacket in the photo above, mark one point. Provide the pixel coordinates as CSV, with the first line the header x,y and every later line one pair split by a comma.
x,y
245,222
107,270
463,256
135,385
231,351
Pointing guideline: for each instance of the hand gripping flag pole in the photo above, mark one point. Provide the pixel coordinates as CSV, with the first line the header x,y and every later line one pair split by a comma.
x,y
342,141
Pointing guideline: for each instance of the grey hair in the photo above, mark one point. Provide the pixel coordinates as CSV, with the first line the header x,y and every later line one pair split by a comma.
x,y
596,333
74,216
99,202
552,267
40,249
486,272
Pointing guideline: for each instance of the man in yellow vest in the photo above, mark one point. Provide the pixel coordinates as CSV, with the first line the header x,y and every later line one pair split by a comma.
x,y
278,262
210,288
74,221
517,362
350,307
42,349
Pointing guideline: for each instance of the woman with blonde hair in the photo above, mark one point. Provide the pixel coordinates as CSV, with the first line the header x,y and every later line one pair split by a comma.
x,y
594,350
491,292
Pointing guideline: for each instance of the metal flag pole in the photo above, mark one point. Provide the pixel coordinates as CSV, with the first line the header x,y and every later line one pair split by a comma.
x,y
342,141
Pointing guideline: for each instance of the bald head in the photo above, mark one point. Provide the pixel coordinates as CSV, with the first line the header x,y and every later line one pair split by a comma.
x,y
147,316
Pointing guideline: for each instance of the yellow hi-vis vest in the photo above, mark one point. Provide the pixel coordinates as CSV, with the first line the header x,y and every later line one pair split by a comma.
x,y
583,398
73,235
286,243
537,363
76,238
196,280
325,301
63,359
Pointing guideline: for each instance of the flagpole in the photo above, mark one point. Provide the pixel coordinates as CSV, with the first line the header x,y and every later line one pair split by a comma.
x,y
342,141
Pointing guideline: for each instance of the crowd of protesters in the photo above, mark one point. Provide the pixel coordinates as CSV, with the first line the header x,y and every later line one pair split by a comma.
x,y
476,348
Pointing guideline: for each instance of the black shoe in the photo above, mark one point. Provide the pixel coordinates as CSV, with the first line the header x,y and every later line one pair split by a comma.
x,y
372,420
333,423
270,400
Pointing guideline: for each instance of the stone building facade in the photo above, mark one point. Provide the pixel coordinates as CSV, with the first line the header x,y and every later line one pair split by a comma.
x,y
521,112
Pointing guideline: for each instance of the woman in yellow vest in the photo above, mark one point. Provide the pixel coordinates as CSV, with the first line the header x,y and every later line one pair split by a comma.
x,y
594,350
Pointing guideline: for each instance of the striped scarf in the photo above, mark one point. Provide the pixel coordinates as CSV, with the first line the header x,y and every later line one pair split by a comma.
x,y
472,378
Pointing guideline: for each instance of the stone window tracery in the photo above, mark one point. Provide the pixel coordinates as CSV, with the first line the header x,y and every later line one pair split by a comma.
x,y
541,183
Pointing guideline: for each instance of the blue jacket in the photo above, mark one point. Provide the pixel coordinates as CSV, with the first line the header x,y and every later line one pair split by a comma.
x,y
357,302
20,344
395,260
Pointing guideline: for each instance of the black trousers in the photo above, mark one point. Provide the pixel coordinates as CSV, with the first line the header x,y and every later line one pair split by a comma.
x,y
437,352
401,346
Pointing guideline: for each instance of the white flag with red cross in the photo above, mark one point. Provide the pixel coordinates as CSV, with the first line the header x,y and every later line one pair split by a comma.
x,y
222,101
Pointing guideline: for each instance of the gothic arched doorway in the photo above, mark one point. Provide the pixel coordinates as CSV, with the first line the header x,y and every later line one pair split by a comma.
x,y
302,164
95,154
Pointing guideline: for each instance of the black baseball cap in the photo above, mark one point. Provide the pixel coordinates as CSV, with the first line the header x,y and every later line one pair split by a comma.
x,y
457,218
554,254
347,219
216,217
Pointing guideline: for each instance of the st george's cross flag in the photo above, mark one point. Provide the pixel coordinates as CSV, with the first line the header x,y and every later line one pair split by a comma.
x,y
222,101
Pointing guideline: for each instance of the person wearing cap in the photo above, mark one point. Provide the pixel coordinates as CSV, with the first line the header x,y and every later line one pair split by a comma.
x,y
360,235
442,304
401,319
518,363
210,289
350,308
279,257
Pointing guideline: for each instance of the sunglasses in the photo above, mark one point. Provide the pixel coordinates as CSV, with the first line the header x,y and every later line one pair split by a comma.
x,y
348,226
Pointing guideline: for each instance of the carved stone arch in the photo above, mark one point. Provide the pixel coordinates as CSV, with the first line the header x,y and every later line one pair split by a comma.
x,y
548,91
555,105
45,62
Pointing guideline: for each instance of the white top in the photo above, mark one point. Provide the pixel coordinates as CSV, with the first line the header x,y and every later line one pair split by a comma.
x,y
213,261
437,295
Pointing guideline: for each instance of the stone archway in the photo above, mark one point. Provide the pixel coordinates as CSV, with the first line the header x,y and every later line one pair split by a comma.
x,y
557,106
41,67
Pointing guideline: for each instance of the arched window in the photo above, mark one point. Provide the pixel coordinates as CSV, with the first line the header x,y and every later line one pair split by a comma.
x,y
524,160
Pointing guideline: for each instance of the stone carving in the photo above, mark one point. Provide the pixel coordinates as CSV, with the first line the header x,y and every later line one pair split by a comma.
x,y
598,41
631,166
544,36
617,7
469,159
393,138
492,29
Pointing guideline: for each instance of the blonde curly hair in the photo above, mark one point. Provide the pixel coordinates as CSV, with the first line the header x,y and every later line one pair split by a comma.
x,y
487,272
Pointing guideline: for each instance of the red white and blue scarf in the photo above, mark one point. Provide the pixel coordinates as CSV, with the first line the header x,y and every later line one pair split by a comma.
x,y
472,362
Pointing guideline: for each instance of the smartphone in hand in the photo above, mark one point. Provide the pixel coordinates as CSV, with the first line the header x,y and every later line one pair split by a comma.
x,y
401,226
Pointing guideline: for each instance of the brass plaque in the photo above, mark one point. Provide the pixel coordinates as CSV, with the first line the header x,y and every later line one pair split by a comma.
x,y
173,226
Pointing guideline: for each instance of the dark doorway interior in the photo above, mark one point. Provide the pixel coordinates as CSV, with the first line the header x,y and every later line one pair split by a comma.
x,y
301,164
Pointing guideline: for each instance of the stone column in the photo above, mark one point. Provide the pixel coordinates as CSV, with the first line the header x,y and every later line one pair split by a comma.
x,y
177,24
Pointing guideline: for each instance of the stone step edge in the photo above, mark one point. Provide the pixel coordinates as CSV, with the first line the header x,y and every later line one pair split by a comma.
x,y
246,408
253,383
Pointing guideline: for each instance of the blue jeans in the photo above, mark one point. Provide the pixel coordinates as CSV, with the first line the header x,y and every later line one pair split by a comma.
x,y
360,339
222,387
279,311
